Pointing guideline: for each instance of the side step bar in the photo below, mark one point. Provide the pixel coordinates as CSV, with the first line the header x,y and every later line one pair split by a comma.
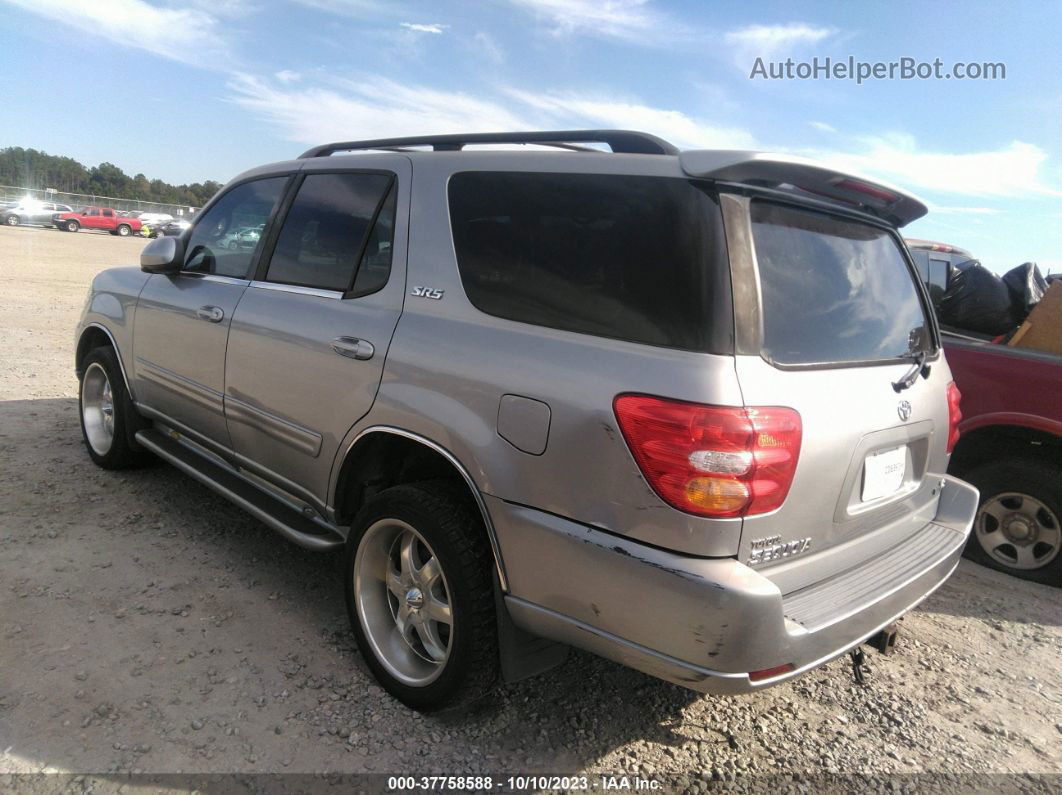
x,y
227,482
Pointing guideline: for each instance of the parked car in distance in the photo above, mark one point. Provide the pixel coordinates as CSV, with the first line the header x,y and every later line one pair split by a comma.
x,y
154,219
243,237
104,219
1010,449
32,212
174,228
665,406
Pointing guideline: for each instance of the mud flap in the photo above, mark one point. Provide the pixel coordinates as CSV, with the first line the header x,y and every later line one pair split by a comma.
x,y
523,655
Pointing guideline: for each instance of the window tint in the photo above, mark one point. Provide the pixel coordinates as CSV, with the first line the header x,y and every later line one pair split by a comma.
x,y
833,290
108,213
632,258
325,230
375,265
93,212
225,238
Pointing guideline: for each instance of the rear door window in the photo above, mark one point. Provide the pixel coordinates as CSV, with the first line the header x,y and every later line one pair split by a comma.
x,y
327,230
626,257
834,291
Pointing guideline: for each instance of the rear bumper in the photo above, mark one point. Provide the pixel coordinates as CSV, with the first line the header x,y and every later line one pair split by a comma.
x,y
707,623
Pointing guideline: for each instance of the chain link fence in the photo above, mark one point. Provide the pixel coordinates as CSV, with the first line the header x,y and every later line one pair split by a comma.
x,y
13,193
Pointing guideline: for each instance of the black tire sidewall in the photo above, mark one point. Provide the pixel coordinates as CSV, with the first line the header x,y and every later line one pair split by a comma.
x,y
419,506
121,454
72,226
1036,478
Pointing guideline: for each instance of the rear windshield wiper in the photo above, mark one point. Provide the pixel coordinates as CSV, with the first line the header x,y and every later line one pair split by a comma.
x,y
919,367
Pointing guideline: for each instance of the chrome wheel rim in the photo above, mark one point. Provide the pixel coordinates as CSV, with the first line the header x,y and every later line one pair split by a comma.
x,y
97,409
403,602
1018,531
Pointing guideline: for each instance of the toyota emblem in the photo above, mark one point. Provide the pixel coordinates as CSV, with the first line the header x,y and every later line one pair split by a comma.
x,y
903,408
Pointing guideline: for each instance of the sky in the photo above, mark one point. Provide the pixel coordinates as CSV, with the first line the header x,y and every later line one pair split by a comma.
x,y
204,89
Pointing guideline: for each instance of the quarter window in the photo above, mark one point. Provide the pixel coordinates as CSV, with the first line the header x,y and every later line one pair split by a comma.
x,y
329,230
226,237
629,257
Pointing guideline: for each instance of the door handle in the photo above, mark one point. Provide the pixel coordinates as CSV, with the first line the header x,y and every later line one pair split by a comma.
x,y
353,348
211,314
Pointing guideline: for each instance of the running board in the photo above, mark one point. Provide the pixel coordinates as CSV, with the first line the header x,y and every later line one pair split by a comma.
x,y
229,484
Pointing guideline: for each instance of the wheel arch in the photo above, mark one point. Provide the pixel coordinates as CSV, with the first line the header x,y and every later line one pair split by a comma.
x,y
1003,438
382,456
96,335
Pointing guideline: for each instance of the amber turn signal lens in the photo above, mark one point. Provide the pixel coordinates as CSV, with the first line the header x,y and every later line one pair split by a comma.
x,y
717,495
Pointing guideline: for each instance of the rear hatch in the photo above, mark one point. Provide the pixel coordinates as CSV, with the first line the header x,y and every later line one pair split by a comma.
x,y
842,319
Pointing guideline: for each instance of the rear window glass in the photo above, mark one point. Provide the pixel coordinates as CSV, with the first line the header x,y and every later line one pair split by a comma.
x,y
834,291
625,257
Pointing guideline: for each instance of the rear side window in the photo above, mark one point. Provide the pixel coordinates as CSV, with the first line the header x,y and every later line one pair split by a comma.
x,y
326,231
626,257
834,291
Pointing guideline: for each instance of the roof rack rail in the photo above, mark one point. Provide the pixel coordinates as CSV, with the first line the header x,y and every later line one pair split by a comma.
x,y
620,141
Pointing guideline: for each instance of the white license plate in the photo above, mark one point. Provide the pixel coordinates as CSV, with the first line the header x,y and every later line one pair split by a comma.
x,y
883,473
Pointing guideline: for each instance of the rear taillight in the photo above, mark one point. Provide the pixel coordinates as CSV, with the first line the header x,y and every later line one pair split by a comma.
x,y
954,415
716,461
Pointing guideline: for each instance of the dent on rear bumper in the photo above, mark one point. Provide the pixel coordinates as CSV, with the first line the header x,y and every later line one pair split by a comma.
x,y
702,623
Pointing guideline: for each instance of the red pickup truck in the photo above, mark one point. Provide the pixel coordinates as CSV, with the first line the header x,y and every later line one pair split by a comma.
x,y
1011,450
1011,443
103,218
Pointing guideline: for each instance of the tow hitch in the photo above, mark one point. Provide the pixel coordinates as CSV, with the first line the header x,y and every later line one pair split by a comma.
x,y
884,642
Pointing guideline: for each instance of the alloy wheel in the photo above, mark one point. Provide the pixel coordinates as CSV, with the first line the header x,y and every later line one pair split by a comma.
x,y
403,602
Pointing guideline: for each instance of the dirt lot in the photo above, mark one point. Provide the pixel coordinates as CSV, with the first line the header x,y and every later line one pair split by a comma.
x,y
147,625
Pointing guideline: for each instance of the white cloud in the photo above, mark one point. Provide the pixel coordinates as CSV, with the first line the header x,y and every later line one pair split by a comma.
x,y
1013,171
352,8
822,126
421,27
189,35
372,106
630,20
486,44
937,208
768,41
686,132
369,107
288,76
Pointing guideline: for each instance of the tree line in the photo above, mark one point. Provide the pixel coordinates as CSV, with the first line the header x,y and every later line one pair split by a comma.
x,y
30,168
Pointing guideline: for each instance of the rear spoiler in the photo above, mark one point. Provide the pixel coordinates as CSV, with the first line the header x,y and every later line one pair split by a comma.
x,y
801,175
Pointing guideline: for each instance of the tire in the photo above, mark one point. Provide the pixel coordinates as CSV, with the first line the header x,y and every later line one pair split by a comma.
x,y
109,420
1017,528
12,220
72,226
433,665
123,230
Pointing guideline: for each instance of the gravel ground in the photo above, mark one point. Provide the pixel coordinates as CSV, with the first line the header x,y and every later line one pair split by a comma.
x,y
147,625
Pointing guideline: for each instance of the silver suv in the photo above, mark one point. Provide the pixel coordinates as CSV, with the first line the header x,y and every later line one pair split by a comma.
x,y
686,410
33,212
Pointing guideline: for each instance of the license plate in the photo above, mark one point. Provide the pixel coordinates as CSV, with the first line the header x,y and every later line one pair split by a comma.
x,y
883,473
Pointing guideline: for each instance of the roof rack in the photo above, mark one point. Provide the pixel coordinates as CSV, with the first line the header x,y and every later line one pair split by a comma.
x,y
620,141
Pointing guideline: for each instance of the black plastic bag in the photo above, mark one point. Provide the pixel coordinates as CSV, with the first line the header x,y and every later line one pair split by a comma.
x,y
976,300
1027,286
